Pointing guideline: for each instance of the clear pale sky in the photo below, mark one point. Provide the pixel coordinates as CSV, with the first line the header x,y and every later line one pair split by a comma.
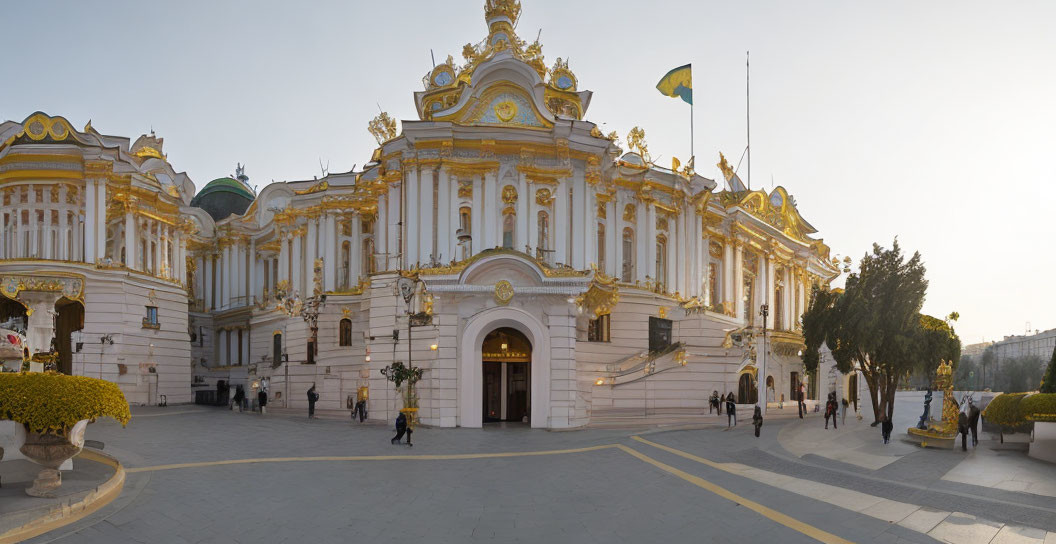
x,y
931,121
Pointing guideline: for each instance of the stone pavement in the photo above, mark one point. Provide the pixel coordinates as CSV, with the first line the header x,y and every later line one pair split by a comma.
x,y
290,479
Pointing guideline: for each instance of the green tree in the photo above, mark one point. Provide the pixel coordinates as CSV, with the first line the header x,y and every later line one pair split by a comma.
x,y
936,342
1019,374
987,366
1048,384
875,324
966,374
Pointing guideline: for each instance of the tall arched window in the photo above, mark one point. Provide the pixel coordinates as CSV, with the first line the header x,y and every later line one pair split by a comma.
x,y
508,222
346,263
369,265
344,336
627,272
715,268
661,262
601,246
543,222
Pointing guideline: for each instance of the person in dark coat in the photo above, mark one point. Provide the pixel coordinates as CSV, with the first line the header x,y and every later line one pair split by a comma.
x,y
885,429
240,396
973,422
962,429
830,410
731,411
262,400
713,402
722,402
757,419
313,397
401,427
801,395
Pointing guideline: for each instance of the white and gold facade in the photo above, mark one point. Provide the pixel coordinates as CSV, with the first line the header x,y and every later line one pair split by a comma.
x,y
510,211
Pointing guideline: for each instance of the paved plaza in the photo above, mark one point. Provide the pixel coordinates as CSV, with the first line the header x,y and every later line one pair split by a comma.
x,y
200,474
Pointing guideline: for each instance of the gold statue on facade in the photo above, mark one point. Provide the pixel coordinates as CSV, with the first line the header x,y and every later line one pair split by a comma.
x,y
382,127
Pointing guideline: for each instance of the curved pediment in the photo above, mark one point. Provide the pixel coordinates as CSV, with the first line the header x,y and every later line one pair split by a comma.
x,y
519,271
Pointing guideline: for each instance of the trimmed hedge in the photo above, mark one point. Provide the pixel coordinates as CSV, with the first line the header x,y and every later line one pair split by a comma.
x,y
53,403
1039,407
1004,410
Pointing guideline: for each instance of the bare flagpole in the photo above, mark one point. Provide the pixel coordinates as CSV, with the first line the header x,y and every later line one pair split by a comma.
x,y
748,110
692,149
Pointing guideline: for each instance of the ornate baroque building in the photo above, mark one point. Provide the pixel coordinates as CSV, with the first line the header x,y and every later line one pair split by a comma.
x,y
552,276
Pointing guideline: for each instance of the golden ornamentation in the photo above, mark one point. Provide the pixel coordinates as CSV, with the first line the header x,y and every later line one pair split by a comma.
x,y
593,173
544,197
70,285
427,303
603,212
505,110
947,428
465,189
630,213
727,170
784,217
509,194
600,297
382,127
636,142
503,292
661,312
346,311
318,187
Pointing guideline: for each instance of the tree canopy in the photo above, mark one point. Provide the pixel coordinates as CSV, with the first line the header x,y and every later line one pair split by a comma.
x,y
875,325
1048,384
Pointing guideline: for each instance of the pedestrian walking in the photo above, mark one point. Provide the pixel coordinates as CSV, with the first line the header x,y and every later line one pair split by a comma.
x,y
830,410
973,422
401,427
757,419
801,394
731,411
962,429
262,400
240,396
885,429
313,397
713,402
845,406
722,402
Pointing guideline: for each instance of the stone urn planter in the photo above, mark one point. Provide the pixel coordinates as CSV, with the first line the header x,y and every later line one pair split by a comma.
x,y
51,411
51,451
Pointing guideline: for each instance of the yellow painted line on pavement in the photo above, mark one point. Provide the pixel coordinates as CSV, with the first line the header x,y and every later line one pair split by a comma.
x,y
137,416
432,457
784,519
689,456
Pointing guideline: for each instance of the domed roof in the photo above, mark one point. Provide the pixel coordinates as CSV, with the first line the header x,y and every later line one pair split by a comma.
x,y
223,197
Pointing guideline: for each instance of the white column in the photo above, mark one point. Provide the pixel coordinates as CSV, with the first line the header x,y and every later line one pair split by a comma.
x,y
245,346
427,225
802,290
34,225
381,232
393,249
130,239
444,229
770,278
454,220
64,227
561,223
156,237
673,248
411,218
298,265
100,214
330,261
251,289
524,220
650,241
532,232
492,226
284,257
737,281
579,226
790,297
477,218
356,267
311,243
207,282
641,247
613,238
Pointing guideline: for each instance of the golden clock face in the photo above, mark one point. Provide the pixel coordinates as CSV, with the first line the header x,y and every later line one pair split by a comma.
x,y
505,110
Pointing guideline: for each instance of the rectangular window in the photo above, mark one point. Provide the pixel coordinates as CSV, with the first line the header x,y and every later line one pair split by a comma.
x,y
150,321
598,329
659,334
311,352
240,347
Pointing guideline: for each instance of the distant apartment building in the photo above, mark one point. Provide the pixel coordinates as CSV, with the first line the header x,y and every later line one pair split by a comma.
x,y
1040,344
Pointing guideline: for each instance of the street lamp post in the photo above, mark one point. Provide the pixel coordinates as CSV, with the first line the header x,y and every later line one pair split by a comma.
x,y
760,382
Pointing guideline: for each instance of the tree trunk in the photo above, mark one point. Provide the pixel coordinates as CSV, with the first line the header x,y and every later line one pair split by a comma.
x,y
874,397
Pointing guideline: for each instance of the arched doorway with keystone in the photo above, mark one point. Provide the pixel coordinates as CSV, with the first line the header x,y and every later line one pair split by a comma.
x,y
506,359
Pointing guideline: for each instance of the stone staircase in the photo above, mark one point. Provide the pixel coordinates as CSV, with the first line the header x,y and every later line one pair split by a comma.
x,y
644,364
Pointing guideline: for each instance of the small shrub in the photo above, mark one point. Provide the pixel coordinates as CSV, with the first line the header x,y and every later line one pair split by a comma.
x,y
1004,410
54,403
1039,407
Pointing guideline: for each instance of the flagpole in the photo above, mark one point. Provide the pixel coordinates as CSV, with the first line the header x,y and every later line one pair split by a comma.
x,y
692,152
748,110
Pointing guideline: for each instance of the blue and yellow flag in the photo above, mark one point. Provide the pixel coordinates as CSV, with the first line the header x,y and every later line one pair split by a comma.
x,y
678,83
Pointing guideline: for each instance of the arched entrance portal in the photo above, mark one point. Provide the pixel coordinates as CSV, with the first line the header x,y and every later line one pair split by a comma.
x,y
13,324
506,357
747,392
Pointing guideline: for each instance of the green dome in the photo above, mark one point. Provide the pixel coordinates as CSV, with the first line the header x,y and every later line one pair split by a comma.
x,y
223,197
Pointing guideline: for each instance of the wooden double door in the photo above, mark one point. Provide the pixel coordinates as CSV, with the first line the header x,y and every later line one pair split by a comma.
x,y
507,391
